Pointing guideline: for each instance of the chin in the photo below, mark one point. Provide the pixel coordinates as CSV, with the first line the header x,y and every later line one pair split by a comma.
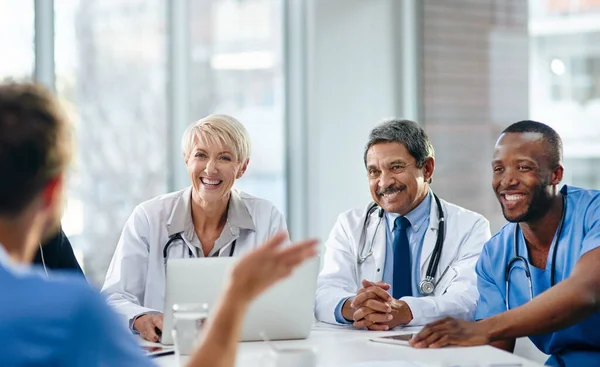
x,y
514,217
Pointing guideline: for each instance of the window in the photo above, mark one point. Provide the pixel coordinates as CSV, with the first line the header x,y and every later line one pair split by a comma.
x,y
491,63
236,69
565,80
110,64
112,70
16,39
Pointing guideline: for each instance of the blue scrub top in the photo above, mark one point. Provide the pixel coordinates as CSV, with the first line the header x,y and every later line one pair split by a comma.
x,y
59,321
578,345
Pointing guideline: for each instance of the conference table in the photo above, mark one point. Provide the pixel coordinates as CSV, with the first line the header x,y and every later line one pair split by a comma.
x,y
344,346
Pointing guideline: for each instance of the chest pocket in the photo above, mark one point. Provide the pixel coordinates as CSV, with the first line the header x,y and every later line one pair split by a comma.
x,y
444,282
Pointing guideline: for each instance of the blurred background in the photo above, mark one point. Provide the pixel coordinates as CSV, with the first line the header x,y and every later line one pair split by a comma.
x,y
309,79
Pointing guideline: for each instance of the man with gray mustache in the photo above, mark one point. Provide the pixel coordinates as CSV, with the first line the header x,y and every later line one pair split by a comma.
x,y
408,257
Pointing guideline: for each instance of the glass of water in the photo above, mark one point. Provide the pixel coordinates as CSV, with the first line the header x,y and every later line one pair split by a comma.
x,y
188,321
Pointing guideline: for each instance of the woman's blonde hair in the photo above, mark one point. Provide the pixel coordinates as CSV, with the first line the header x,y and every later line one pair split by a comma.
x,y
223,130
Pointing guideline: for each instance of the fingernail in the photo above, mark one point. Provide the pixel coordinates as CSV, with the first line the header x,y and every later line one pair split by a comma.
x,y
389,317
386,327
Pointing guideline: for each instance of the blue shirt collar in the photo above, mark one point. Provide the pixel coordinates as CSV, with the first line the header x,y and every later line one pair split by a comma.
x,y
417,216
10,265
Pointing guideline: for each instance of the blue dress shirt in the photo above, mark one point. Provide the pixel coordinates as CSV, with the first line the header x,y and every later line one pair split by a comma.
x,y
578,345
419,219
59,321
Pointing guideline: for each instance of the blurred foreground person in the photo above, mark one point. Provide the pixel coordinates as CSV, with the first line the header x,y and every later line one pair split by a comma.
x,y
60,320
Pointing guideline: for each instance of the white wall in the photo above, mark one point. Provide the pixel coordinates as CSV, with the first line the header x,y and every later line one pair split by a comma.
x,y
351,86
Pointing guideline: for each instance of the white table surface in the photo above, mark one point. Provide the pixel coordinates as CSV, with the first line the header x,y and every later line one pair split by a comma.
x,y
344,346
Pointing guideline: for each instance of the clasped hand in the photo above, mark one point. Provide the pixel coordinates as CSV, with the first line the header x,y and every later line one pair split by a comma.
x,y
375,309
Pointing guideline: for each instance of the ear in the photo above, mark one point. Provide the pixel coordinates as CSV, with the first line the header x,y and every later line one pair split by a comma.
x,y
428,168
557,175
52,193
242,169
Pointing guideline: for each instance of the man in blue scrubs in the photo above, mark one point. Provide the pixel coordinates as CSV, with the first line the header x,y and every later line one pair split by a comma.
x,y
60,320
557,234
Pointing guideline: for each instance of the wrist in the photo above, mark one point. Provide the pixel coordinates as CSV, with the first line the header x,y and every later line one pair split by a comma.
x,y
347,310
401,312
492,331
234,296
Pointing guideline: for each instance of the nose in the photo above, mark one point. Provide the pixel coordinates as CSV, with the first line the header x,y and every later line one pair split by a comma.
x,y
385,180
508,179
211,167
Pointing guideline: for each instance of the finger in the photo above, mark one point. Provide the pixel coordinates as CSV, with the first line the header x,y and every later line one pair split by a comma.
x,y
377,305
431,328
297,252
274,241
378,327
148,332
382,294
379,318
367,283
445,320
362,298
383,285
441,342
361,312
425,343
422,335
362,324
158,321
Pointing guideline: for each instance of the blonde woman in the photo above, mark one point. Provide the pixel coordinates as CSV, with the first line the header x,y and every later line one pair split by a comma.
x,y
209,218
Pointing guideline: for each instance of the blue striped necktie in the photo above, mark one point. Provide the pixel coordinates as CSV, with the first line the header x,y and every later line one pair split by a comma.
x,y
402,285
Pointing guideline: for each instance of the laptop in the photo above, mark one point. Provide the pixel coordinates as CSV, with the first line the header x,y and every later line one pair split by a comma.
x,y
284,311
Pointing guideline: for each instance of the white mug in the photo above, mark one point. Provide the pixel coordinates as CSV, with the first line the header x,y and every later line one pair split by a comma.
x,y
292,357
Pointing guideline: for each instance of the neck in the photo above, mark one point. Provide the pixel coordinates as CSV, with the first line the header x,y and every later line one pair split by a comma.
x,y
540,233
209,216
20,238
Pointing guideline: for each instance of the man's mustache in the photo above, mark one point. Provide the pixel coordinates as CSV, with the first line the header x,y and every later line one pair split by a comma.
x,y
391,189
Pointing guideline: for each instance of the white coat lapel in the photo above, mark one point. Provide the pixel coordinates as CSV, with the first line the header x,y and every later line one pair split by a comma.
x,y
375,234
430,237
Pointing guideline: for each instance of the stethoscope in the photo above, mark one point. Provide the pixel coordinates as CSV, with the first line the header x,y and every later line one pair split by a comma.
x,y
518,258
178,237
428,284
43,260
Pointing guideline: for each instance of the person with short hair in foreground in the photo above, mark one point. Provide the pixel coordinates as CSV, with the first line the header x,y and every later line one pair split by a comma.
x,y
540,275
60,320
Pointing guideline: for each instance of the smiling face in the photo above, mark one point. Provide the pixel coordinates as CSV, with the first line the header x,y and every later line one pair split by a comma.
x,y
396,183
213,169
523,178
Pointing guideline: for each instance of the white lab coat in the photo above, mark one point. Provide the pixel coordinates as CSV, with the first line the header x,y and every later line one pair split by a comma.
x,y
135,281
455,294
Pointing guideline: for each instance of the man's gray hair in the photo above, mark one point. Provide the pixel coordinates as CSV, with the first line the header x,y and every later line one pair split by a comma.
x,y
405,132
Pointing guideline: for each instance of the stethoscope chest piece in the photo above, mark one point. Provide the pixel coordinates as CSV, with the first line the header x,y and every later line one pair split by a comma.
x,y
427,286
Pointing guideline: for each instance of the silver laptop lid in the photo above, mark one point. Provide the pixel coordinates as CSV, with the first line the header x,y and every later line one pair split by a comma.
x,y
284,311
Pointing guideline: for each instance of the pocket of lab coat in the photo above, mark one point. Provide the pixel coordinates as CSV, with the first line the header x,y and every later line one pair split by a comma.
x,y
444,283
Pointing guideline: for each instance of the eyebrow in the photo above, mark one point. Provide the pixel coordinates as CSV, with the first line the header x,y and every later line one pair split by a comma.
x,y
398,161
204,151
522,160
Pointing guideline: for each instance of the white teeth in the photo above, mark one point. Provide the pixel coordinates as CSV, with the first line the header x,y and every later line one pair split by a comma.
x,y
513,197
207,181
391,194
